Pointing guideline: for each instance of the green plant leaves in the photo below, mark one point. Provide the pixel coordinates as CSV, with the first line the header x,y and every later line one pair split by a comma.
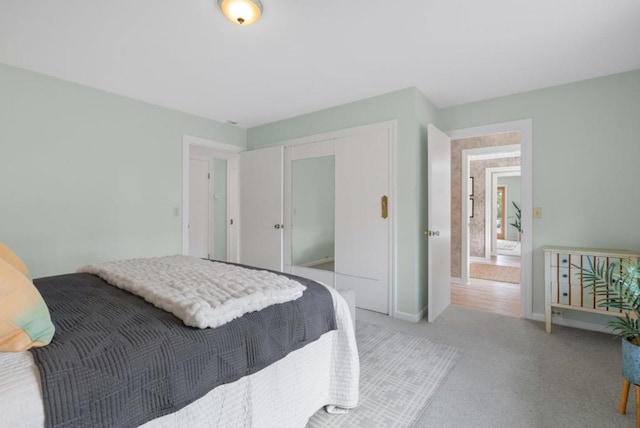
x,y
618,287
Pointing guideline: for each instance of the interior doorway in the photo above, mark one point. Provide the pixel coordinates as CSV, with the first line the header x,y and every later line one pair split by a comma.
x,y
482,276
210,199
504,216
493,278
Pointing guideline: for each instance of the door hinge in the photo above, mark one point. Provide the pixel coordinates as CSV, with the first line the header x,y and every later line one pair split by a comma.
x,y
208,176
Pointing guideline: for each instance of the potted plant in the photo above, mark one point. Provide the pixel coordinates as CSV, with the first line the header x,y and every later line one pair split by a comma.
x,y
618,287
516,220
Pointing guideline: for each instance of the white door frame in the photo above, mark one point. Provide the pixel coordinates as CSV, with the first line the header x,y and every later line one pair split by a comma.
x,y
525,127
230,154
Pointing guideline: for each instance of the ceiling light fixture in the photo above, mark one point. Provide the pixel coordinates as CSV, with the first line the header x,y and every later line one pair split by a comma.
x,y
242,12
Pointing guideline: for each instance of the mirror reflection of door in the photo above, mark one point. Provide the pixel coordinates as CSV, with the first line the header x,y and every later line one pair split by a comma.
x,y
500,215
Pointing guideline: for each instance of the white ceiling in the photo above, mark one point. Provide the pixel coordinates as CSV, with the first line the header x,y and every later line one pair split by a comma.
x,y
306,55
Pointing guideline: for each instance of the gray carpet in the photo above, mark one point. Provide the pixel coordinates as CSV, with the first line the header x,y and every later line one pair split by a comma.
x,y
513,374
399,375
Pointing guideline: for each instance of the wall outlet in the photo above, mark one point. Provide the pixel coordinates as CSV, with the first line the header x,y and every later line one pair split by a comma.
x,y
556,312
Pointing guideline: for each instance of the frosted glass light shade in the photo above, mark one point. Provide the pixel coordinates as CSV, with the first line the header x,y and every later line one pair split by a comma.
x,y
242,12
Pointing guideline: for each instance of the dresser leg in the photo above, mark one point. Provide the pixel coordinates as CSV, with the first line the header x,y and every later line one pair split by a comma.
x,y
547,319
637,406
624,397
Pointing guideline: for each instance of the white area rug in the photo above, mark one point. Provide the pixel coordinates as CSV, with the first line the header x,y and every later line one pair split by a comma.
x,y
399,374
508,248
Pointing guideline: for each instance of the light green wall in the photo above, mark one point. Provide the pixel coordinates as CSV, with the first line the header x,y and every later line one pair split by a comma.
x,y
313,197
512,185
87,175
586,147
404,106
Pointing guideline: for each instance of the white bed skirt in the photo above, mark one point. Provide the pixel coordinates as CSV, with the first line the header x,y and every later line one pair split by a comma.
x,y
287,393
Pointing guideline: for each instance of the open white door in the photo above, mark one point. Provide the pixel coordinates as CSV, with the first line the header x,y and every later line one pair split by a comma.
x,y
261,192
439,221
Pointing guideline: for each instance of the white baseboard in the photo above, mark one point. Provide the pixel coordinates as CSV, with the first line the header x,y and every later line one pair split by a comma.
x,y
456,280
572,323
410,317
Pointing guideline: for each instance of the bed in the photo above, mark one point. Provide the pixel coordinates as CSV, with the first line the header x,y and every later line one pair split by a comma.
x,y
321,368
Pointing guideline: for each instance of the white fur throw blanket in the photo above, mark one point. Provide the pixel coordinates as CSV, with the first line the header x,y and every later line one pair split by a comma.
x,y
199,292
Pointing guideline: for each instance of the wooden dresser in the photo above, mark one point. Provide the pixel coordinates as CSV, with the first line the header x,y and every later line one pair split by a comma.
x,y
563,282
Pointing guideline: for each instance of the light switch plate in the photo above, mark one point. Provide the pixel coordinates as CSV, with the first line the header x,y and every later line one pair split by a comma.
x,y
537,212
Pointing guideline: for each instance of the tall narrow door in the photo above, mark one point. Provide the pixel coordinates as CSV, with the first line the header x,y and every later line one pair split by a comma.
x,y
362,227
261,202
199,214
439,221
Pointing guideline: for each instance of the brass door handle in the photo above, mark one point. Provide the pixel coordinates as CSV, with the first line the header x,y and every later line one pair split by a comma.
x,y
384,206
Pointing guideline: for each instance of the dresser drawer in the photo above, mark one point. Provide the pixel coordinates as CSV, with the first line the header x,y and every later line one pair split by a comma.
x,y
563,274
559,260
563,297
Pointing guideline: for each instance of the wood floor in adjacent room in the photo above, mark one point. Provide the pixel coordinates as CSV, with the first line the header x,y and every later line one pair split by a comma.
x,y
490,296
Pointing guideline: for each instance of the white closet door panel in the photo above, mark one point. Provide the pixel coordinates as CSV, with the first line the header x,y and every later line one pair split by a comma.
x,y
261,202
371,294
362,235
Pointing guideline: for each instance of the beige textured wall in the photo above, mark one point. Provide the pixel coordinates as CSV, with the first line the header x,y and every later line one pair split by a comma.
x,y
457,146
477,223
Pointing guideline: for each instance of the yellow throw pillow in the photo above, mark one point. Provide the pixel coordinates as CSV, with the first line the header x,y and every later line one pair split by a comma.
x,y
24,317
10,257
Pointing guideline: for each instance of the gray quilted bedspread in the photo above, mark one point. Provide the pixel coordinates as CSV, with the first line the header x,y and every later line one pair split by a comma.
x,y
118,361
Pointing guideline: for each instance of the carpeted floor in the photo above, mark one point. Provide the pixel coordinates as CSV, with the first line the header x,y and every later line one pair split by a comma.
x,y
399,374
513,374
495,273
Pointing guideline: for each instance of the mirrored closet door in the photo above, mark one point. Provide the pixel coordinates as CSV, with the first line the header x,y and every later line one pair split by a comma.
x,y
322,208
309,210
